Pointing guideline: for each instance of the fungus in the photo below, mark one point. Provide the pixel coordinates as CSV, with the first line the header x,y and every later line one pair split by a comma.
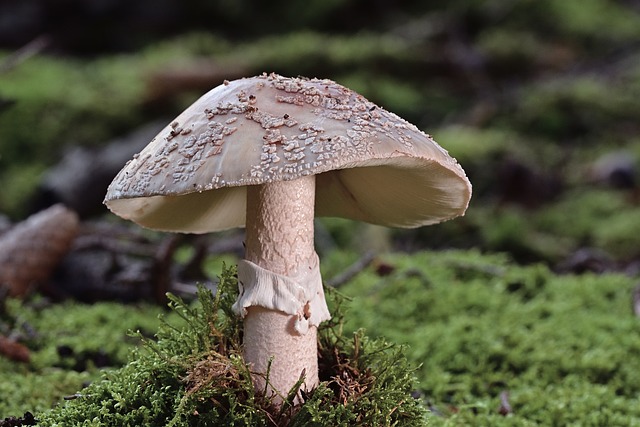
x,y
267,153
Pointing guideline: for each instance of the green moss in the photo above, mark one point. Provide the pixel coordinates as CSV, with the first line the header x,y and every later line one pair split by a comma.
x,y
479,325
587,18
68,344
474,325
62,102
599,218
306,50
510,47
185,48
472,145
511,229
194,375
56,103
23,178
23,389
567,107
613,235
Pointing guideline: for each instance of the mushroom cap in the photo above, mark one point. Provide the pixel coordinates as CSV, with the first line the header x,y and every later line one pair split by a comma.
x,y
370,164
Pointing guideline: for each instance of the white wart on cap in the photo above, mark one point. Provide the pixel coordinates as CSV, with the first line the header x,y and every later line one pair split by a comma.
x,y
371,165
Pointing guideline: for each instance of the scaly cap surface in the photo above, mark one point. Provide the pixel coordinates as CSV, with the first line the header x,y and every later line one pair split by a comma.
x,y
371,165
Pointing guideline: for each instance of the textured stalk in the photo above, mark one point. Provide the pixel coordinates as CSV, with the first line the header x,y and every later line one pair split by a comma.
x,y
280,239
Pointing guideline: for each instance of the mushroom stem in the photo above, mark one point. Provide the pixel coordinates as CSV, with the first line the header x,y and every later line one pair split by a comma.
x,y
279,239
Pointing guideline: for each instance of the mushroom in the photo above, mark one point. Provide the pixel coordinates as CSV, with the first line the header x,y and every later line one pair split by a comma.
x,y
267,153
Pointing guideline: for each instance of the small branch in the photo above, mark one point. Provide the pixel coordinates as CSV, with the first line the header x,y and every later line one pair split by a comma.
x,y
161,267
505,407
635,300
190,290
352,271
114,245
32,48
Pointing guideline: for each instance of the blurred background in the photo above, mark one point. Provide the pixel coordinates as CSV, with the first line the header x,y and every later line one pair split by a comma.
x,y
539,100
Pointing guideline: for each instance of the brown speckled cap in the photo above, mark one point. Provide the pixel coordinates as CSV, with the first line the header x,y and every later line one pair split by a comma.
x,y
370,164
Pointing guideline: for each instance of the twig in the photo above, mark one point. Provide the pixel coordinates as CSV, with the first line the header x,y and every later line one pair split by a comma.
x,y
505,407
635,299
114,245
352,271
161,267
190,289
32,48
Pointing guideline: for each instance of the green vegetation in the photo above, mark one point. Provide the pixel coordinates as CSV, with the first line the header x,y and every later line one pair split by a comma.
x,y
479,325
68,345
194,375
526,300
469,327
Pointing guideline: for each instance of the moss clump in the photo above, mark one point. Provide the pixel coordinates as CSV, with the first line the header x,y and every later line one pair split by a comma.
x,y
68,344
194,375
480,325
55,103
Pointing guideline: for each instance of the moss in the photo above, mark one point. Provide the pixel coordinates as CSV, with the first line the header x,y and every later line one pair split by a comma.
x,y
587,18
561,108
306,50
479,325
599,218
594,217
64,101
510,229
194,375
613,235
472,145
69,344
23,389
23,178
184,48
510,49
54,104
474,325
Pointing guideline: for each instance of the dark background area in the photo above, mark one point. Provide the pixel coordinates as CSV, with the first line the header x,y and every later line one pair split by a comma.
x,y
538,100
